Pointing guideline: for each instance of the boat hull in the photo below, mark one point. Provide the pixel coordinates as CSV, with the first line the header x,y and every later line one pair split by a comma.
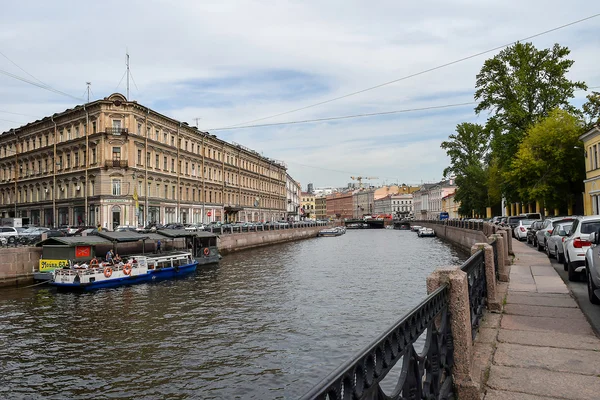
x,y
151,275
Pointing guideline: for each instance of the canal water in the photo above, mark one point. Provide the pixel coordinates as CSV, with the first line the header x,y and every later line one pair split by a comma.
x,y
265,323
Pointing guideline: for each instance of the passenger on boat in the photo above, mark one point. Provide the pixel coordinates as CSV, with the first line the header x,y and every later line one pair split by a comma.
x,y
133,261
109,256
117,258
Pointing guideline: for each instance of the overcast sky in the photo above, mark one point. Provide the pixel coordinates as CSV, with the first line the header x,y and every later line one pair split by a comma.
x,y
230,62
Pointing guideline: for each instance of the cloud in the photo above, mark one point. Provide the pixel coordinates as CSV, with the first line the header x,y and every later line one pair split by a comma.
x,y
229,62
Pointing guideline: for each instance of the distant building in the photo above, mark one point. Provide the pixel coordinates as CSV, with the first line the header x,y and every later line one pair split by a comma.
x,y
591,196
402,205
293,190
307,210
363,203
383,205
321,207
310,188
450,206
340,206
324,191
427,200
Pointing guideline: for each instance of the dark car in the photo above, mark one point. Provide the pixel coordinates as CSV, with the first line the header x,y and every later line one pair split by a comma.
x,y
531,231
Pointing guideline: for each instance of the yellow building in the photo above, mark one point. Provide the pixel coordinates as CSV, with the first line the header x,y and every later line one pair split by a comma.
x,y
450,206
115,162
308,205
591,197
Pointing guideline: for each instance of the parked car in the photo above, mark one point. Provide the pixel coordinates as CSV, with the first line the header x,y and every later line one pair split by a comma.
x,y
546,230
577,244
531,231
513,222
592,265
554,244
11,234
194,227
125,228
520,231
532,215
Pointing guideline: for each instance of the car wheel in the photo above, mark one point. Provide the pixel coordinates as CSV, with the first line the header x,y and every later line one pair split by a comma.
x,y
591,289
566,262
559,257
548,250
12,240
539,248
573,276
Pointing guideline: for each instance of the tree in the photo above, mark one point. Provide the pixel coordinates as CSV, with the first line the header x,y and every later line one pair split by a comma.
x,y
520,86
549,165
591,110
467,150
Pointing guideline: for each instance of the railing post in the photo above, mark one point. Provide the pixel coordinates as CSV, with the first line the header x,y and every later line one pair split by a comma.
x,y
506,236
460,321
503,270
509,240
490,274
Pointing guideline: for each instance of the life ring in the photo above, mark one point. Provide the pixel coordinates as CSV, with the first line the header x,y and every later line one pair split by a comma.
x,y
206,251
127,269
107,272
94,263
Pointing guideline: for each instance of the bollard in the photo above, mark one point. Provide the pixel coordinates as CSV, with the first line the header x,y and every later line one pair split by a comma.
x,y
490,274
509,240
503,263
505,234
460,322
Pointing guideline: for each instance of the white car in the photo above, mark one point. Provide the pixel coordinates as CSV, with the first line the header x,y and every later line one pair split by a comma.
x,y
520,231
9,233
546,230
577,244
554,243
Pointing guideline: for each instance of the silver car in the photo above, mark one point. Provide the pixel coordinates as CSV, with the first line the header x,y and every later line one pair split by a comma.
x,y
592,265
542,235
554,243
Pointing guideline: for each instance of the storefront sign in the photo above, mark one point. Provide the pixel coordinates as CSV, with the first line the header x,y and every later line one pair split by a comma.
x,y
49,265
83,251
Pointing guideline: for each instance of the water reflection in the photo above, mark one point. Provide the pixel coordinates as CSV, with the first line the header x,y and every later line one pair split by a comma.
x,y
266,323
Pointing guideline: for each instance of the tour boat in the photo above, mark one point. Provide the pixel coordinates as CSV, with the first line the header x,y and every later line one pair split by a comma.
x,y
336,231
426,232
138,269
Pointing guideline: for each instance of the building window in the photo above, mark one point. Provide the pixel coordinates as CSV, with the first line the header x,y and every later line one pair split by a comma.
x,y
166,191
116,124
76,160
116,151
94,127
93,155
60,162
148,159
84,159
165,137
139,157
139,131
165,164
116,187
173,141
156,161
172,164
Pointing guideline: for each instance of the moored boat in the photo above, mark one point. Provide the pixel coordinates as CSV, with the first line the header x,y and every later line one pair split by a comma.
x,y
137,269
336,231
426,232
415,228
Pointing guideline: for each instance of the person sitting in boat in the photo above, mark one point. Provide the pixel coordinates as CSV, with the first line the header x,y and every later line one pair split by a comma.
x,y
133,261
117,259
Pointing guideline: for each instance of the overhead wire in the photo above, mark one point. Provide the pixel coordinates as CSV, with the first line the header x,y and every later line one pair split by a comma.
x,y
18,66
420,72
38,85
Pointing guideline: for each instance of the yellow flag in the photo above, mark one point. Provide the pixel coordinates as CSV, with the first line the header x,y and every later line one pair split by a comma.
x,y
135,197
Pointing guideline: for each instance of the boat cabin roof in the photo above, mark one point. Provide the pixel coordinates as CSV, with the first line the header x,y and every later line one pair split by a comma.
x,y
73,241
175,233
121,237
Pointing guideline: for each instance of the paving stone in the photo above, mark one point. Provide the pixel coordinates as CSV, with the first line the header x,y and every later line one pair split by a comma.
x,y
486,335
521,270
506,395
546,270
543,311
482,359
550,284
562,385
584,362
557,300
522,287
550,339
528,323
490,320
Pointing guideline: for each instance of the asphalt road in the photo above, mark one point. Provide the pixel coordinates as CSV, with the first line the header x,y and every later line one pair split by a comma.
x,y
579,292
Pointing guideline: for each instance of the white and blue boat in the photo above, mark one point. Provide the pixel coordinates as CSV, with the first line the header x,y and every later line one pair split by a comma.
x,y
138,269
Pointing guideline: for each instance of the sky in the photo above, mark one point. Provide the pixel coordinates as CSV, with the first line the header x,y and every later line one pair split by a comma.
x,y
231,62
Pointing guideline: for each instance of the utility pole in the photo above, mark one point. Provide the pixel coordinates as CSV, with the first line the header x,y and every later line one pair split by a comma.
x,y
88,92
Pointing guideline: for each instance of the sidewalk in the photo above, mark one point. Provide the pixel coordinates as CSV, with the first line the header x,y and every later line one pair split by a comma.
x,y
545,348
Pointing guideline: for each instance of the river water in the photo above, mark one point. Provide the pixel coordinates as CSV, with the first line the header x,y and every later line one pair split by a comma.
x,y
265,323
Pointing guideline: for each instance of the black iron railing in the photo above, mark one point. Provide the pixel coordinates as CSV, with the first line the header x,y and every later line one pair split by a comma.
x,y
116,131
424,376
474,267
496,266
115,163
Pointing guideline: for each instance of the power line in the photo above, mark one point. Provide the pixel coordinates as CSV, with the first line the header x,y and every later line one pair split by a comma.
x,y
421,72
350,116
38,85
16,65
14,113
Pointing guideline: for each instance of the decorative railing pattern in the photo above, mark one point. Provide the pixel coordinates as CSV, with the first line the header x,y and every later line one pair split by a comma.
x,y
474,267
424,376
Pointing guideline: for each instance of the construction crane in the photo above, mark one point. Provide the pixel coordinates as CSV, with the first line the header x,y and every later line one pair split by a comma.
x,y
360,178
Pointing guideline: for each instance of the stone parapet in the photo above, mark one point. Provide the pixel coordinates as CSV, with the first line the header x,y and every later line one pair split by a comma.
x,y
17,265
242,241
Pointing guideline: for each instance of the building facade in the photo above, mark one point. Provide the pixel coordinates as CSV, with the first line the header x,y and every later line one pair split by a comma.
x,y
321,207
450,206
383,206
293,194
340,205
427,201
363,203
115,162
308,206
402,205
591,195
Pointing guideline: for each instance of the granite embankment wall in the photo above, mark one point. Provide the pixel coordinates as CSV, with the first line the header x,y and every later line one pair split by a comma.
x,y
465,237
243,241
17,265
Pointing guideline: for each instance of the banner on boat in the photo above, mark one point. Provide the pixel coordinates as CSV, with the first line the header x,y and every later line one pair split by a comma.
x,y
49,265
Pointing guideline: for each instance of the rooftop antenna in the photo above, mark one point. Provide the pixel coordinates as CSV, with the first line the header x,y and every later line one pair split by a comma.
x,y
127,54
88,90
197,119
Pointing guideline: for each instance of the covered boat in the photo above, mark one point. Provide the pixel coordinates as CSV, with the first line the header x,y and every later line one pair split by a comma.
x,y
336,231
426,232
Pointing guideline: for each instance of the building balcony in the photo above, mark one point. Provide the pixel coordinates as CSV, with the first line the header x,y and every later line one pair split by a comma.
x,y
116,131
116,164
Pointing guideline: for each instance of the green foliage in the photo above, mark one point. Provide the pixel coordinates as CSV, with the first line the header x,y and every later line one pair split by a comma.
x,y
520,86
549,164
467,150
591,110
